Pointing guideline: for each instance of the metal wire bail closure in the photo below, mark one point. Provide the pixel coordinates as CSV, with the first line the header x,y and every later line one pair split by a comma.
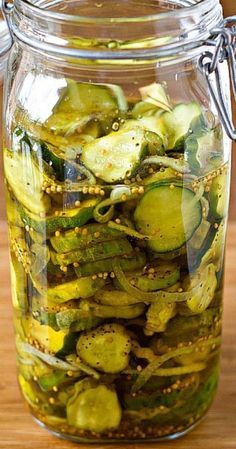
x,y
224,40
7,9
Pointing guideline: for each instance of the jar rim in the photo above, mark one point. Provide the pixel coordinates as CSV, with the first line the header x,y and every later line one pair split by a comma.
x,y
201,6
148,37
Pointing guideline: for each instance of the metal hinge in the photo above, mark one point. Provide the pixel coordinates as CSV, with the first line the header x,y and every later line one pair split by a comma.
x,y
223,43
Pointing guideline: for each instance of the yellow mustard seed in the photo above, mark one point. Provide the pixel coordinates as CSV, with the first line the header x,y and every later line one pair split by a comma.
x,y
115,126
77,203
85,231
57,233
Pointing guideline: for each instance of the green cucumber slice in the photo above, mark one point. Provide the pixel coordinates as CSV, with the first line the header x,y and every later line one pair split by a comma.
x,y
46,336
219,195
93,407
178,123
168,215
67,219
158,316
94,233
116,156
90,99
131,263
53,379
106,348
159,278
186,387
19,284
26,181
83,105
103,250
203,149
64,292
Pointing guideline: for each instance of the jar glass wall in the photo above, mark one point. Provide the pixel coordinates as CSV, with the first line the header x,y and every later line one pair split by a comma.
x,y
117,171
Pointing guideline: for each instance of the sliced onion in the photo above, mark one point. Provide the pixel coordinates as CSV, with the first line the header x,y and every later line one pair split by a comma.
x,y
178,165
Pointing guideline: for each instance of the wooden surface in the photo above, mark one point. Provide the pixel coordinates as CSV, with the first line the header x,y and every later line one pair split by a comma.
x,y
217,431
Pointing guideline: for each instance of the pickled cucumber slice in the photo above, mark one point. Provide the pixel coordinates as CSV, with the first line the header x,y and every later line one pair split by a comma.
x,y
106,348
158,316
105,266
156,277
66,219
116,156
19,284
46,337
90,99
100,251
90,235
94,407
186,388
77,288
203,149
177,123
207,281
26,181
173,220
219,195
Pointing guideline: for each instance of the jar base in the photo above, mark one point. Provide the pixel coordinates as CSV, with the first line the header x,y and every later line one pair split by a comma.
x,y
76,439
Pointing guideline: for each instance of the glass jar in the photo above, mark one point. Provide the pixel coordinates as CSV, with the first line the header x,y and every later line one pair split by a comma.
x,y
5,43
117,169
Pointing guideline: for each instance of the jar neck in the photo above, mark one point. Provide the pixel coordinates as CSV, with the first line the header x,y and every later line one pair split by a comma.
x,y
158,29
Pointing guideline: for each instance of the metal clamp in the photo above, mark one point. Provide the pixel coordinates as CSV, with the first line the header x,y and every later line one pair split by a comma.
x,y
7,9
224,40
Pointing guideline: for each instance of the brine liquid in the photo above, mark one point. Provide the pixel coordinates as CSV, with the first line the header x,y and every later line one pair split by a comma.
x,y
166,380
